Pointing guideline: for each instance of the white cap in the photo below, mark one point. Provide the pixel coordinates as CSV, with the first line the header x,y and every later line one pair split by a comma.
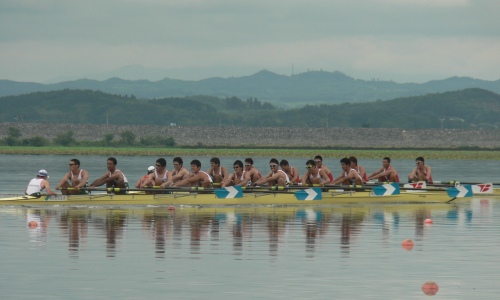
x,y
151,169
43,173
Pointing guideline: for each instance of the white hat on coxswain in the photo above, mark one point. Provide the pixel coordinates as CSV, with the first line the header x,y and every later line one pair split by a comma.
x,y
43,173
151,169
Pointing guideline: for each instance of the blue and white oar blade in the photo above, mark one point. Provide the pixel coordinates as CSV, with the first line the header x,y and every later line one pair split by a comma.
x,y
309,194
386,189
460,191
229,192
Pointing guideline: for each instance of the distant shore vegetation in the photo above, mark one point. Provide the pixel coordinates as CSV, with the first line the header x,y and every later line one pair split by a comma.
x,y
126,143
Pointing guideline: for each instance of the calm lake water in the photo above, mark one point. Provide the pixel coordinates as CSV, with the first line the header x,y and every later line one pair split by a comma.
x,y
335,252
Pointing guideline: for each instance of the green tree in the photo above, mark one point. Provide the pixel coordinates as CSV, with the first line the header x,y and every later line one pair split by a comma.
x,y
14,132
128,137
65,139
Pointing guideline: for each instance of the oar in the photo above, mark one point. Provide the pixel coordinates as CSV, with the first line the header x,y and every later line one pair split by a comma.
x,y
453,182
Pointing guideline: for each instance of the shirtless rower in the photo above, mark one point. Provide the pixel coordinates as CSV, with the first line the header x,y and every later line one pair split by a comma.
x,y
422,172
141,180
38,184
218,172
361,170
252,171
159,176
197,177
314,175
275,176
239,177
178,173
319,164
386,173
349,175
76,179
113,178
292,172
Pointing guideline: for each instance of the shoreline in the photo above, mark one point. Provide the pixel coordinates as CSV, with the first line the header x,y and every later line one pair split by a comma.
x,y
299,153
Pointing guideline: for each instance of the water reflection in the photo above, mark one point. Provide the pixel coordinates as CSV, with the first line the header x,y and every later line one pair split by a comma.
x,y
242,229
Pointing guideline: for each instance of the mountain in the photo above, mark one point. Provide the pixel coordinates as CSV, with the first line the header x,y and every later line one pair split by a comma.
x,y
314,87
469,108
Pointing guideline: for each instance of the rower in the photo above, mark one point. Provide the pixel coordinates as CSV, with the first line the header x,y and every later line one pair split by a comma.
x,y
239,177
275,177
159,176
38,184
218,172
386,173
318,160
349,175
113,178
252,171
314,175
421,172
361,170
292,172
197,178
75,181
178,173
141,180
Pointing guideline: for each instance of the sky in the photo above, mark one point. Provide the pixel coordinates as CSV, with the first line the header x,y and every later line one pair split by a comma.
x,y
399,40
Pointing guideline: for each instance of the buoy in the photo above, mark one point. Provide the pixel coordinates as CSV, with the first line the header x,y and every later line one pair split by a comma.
x,y
428,221
171,208
33,224
407,244
430,288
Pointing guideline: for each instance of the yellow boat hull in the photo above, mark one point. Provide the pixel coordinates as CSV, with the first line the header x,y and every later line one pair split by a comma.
x,y
254,198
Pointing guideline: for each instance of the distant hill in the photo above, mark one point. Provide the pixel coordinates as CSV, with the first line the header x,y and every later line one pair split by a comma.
x,y
315,87
469,108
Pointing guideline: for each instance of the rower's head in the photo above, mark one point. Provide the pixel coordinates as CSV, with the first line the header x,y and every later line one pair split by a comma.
x,y
273,164
238,165
284,164
310,164
419,161
151,169
345,163
386,162
353,161
248,164
74,164
195,166
178,163
214,162
111,163
318,160
42,174
161,163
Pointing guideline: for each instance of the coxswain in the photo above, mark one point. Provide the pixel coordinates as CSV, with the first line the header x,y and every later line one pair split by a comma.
x,y
141,180
38,184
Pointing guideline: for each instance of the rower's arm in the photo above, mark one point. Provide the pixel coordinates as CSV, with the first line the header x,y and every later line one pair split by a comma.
x,y
46,185
85,179
412,174
148,180
99,181
374,174
63,180
228,180
246,179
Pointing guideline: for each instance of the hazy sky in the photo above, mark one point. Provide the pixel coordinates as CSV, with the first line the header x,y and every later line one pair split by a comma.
x,y
400,40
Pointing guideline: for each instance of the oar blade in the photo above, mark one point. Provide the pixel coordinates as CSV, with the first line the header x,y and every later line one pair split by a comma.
x,y
309,194
229,192
386,189
460,191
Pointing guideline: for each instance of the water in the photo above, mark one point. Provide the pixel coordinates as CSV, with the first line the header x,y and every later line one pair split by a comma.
x,y
339,252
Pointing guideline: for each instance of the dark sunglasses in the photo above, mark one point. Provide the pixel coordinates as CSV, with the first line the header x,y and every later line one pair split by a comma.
x,y
273,166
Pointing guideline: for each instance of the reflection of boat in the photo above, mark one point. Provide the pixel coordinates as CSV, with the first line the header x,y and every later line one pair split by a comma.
x,y
251,198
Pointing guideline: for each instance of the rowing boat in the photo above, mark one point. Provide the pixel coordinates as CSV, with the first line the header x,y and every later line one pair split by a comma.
x,y
248,198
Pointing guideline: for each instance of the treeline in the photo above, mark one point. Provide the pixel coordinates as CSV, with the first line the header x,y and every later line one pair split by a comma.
x,y
470,108
124,139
